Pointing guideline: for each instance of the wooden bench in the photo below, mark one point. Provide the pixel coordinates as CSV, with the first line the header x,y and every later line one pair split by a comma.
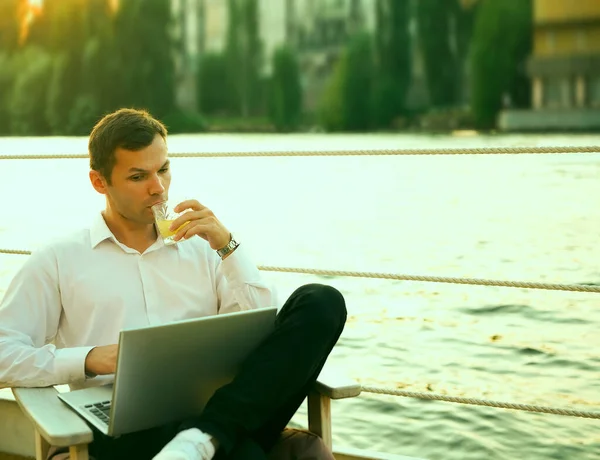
x,y
54,424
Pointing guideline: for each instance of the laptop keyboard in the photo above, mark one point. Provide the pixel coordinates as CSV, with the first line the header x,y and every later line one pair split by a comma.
x,y
101,410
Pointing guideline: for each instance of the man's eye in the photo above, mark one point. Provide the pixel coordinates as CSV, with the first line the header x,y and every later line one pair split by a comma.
x,y
136,178
163,170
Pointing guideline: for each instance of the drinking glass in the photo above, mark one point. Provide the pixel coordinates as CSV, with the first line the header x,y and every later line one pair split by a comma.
x,y
164,215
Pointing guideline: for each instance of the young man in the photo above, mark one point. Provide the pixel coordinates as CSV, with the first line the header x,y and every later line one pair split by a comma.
x,y
80,291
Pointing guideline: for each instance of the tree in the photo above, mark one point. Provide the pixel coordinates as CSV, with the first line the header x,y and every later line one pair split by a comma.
x,y
61,30
28,98
392,60
348,97
234,53
285,90
243,53
7,81
331,112
501,43
101,64
145,55
252,58
12,17
444,34
358,84
440,62
214,92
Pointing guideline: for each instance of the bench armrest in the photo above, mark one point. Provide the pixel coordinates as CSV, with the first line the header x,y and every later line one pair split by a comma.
x,y
52,419
329,385
336,386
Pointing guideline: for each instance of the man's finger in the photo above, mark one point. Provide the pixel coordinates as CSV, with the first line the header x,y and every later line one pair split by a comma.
x,y
191,229
188,216
189,204
199,230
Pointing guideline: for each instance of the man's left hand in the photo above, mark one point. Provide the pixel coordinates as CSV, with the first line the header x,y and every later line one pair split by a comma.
x,y
199,220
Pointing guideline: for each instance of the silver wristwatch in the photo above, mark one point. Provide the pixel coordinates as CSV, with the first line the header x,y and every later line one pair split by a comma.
x,y
229,248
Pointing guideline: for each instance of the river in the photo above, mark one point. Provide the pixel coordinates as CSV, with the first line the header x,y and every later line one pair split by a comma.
x,y
509,217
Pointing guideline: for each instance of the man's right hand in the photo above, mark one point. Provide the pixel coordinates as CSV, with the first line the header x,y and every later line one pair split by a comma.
x,y
102,360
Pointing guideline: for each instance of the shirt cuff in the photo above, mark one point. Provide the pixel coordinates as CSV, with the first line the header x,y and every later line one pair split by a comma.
x,y
239,269
70,363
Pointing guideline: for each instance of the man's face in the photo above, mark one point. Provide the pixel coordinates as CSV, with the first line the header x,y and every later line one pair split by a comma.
x,y
140,179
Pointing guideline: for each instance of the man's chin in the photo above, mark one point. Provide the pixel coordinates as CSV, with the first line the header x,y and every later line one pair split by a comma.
x,y
148,216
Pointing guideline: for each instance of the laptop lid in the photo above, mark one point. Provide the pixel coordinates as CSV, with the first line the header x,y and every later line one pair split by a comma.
x,y
168,372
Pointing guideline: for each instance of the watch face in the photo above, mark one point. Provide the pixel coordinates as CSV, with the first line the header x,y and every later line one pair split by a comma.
x,y
227,249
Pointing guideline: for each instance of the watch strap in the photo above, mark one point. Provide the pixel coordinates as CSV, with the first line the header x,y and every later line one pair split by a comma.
x,y
229,248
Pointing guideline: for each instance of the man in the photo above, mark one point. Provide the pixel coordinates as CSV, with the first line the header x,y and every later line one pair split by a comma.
x,y
80,291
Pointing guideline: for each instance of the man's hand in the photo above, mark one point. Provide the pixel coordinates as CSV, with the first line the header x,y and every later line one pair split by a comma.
x,y
201,221
102,360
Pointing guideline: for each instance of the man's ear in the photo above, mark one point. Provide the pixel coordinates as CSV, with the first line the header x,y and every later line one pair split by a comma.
x,y
98,182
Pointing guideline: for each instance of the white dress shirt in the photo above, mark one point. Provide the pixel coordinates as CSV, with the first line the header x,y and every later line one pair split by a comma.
x,y
81,291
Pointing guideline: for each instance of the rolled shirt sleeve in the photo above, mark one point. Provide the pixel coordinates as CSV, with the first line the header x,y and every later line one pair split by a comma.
x,y
240,285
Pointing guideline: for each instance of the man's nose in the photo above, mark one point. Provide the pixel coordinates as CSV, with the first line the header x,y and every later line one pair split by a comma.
x,y
156,186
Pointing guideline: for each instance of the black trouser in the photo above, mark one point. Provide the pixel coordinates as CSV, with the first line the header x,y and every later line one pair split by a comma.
x,y
248,415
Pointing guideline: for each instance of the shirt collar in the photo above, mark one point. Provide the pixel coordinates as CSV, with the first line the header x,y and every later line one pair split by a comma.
x,y
100,232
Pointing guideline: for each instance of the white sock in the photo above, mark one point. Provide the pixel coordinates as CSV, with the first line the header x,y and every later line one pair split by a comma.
x,y
190,444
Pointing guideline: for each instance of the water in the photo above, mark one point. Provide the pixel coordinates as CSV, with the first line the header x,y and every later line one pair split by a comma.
x,y
517,217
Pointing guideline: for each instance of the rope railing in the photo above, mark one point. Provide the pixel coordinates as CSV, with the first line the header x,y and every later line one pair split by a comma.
x,y
480,402
436,279
402,277
329,153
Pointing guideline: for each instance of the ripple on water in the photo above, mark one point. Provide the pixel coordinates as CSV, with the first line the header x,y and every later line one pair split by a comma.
x,y
524,311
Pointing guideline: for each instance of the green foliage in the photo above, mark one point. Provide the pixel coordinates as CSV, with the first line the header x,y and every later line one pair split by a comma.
x,y
83,116
143,32
101,64
331,112
179,121
369,84
441,64
28,99
285,96
244,56
387,100
392,61
61,97
61,27
501,42
11,16
100,72
214,91
81,60
347,102
252,57
7,80
358,84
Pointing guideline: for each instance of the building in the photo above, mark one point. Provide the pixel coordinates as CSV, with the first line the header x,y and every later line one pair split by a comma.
x,y
564,68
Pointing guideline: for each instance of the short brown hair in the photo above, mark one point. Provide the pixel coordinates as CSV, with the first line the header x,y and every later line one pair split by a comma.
x,y
130,129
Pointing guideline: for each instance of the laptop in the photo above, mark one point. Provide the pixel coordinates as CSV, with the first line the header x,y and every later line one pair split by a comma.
x,y
168,373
